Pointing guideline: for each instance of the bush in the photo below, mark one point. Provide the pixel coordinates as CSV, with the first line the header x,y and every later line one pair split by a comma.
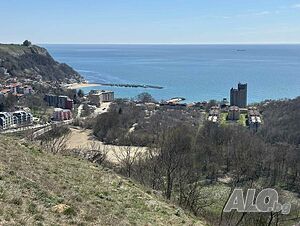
x,y
26,43
17,201
70,211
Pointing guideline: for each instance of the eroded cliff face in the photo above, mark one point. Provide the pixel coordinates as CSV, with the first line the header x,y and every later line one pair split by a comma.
x,y
34,62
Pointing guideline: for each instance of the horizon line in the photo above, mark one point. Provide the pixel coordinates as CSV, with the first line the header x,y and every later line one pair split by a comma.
x,y
259,43
163,43
157,43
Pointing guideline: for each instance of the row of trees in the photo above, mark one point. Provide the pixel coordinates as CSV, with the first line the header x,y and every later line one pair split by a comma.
x,y
128,124
8,103
113,127
184,158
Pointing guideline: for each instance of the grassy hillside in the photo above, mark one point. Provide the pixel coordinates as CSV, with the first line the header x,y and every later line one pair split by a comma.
x,y
38,188
34,62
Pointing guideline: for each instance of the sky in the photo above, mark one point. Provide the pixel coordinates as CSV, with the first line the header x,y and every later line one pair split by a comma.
x,y
150,21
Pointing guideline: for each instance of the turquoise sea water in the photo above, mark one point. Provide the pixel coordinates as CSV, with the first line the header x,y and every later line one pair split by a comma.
x,y
196,72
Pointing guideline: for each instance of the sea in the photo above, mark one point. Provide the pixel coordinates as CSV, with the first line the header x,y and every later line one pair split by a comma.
x,y
194,72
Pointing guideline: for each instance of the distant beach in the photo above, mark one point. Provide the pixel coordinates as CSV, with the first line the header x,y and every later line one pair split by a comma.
x,y
81,85
86,85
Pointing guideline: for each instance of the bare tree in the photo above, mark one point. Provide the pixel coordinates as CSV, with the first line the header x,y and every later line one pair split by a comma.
x,y
126,156
174,146
55,141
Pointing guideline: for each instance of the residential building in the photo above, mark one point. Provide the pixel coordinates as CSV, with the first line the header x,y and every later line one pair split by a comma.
x,y
214,114
97,97
26,90
107,96
5,91
17,118
52,100
16,88
6,120
69,104
224,103
22,117
173,106
59,101
238,97
254,119
60,114
234,113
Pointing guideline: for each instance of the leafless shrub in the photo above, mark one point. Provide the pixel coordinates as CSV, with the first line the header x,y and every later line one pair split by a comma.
x,y
55,141
99,153
126,156
95,153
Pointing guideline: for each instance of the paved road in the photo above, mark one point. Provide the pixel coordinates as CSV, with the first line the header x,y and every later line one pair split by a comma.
x,y
20,129
42,127
49,128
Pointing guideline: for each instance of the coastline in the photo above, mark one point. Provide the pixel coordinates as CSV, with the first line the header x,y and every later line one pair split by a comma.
x,y
81,85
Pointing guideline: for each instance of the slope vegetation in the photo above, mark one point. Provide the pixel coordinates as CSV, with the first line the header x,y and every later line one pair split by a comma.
x,y
38,188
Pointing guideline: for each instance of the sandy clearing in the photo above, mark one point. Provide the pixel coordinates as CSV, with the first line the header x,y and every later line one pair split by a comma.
x,y
84,139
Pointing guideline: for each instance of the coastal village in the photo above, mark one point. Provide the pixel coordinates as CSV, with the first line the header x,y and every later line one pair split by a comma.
x,y
28,101
63,107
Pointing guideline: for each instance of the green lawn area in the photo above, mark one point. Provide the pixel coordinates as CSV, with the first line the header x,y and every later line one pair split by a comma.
x,y
224,121
242,120
223,118
43,113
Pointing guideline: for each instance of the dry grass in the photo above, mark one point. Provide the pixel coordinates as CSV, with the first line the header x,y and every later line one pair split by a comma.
x,y
37,188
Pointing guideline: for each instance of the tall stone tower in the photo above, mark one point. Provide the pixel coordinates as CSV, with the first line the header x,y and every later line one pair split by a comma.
x,y
238,97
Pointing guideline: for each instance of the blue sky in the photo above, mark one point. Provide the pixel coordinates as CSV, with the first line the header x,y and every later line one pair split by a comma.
x,y
150,21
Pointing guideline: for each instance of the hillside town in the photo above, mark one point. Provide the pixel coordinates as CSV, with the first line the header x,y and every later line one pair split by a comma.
x,y
63,107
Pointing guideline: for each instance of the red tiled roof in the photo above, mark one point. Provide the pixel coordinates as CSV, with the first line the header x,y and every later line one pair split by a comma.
x,y
5,90
14,84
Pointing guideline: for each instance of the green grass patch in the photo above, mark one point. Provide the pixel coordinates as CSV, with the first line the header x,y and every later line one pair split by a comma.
x,y
242,120
223,118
